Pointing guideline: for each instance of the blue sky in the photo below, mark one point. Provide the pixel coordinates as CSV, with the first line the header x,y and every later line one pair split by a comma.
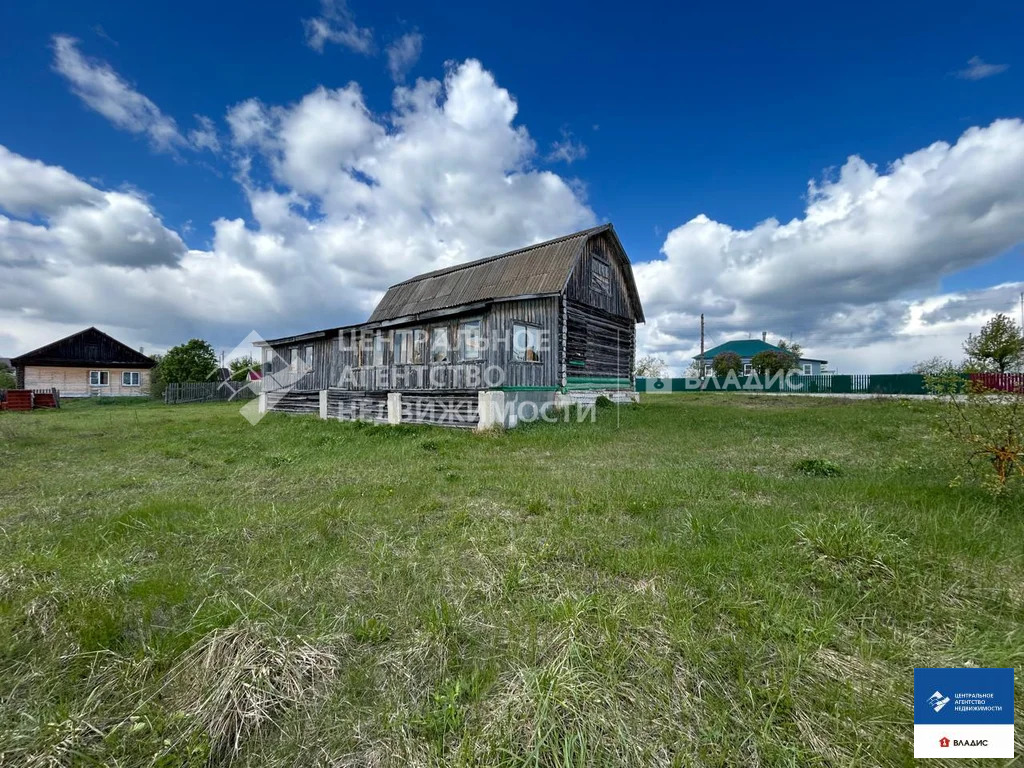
x,y
648,118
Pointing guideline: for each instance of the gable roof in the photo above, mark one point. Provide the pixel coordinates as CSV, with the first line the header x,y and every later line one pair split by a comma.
x,y
540,269
90,346
748,348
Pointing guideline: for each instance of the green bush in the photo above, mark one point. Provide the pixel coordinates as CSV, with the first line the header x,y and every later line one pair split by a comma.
x,y
726,363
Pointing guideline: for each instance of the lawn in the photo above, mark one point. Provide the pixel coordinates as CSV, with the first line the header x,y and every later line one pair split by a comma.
x,y
662,587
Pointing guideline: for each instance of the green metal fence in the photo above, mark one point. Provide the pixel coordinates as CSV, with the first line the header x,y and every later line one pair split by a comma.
x,y
835,384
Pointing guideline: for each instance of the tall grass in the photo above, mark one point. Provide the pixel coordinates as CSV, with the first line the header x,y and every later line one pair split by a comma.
x,y
668,586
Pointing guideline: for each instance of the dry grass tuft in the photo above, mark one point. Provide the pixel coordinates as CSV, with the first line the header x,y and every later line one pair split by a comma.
x,y
239,679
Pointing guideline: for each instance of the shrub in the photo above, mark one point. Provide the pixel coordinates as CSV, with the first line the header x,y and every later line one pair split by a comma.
x,y
770,362
988,425
726,362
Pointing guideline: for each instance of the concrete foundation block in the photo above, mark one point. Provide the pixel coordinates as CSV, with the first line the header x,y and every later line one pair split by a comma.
x,y
491,405
394,407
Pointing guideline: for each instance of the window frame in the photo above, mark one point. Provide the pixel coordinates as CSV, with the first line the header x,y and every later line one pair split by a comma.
x,y
293,359
447,359
462,337
403,343
307,355
101,375
529,328
379,350
137,375
748,369
601,279
808,369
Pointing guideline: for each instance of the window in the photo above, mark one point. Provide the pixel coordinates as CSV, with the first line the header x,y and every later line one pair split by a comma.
x,y
747,369
470,340
601,277
808,369
99,378
130,379
379,343
403,347
709,370
439,347
525,343
364,350
308,359
293,359
419,346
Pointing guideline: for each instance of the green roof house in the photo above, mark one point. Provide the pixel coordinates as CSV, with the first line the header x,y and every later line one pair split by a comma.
x,y
747,348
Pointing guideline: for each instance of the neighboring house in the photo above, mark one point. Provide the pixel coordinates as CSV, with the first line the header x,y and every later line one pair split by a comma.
x,y
85,363
552,318
747,348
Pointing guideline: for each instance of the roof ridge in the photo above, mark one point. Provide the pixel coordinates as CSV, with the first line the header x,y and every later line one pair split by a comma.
x,y
513,252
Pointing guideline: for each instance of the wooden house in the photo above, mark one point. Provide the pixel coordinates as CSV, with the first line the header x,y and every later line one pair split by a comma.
x,y
85,363
549,322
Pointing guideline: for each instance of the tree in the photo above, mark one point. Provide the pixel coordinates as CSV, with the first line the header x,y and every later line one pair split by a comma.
x,y
194,360
7,379
998,346
241,366
793,350
726,362
769,362
936,366
650,367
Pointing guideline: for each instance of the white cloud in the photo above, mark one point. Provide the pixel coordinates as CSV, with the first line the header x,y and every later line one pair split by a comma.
x,y
403,54
105,91
978,69
205,136
849,273
343,203
64,222
568,149
336,24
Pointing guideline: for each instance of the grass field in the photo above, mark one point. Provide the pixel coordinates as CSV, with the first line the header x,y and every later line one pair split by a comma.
x,y
663,587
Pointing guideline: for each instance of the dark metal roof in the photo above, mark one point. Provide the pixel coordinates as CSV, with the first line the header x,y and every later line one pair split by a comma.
x,y
540,269
86,347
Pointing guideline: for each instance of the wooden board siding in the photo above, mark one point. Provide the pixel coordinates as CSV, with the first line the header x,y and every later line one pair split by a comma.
x,y
73,381
580,286
335,361
599,344
318,377
294,402
357,406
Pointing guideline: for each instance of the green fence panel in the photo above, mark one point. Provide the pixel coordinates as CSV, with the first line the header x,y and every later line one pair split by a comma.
x,y
860,383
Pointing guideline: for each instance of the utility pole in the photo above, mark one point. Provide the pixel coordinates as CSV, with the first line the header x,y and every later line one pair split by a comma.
x,y
702,345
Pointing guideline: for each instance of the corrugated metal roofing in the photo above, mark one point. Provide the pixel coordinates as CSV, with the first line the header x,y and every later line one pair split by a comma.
x,y
748,348
537,269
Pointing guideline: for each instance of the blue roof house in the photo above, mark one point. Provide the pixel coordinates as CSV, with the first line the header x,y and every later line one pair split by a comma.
x,y
747,348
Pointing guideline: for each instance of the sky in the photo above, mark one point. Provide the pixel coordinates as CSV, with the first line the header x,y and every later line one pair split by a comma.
x,y
846,178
